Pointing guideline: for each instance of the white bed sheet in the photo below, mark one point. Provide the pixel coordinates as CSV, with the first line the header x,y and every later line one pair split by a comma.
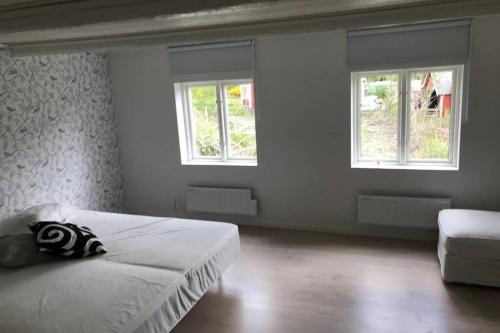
x,y
155,270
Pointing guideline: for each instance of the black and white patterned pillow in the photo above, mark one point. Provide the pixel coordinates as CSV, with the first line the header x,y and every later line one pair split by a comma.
x,y
66,239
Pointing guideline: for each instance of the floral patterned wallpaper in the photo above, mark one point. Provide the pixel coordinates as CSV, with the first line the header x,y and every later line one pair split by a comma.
x,y
58,140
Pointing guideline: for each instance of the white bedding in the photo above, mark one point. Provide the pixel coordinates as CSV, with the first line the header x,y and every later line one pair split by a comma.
x,y
155,270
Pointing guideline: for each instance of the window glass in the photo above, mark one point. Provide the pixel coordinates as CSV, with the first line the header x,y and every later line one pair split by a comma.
x,y
430,115
204,120
407,118
216,122
378,117
240,109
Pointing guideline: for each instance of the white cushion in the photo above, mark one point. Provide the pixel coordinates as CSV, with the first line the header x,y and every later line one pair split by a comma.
x,y
455,268
43,212
470,233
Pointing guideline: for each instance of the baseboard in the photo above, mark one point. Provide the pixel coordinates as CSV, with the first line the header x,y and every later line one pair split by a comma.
x,y
359,230
349,228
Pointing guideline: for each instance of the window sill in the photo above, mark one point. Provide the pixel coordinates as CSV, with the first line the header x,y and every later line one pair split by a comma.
x,y
427,167
220,163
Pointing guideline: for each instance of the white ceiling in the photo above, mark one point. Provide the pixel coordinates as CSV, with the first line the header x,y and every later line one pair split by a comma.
x,y
25,22
27,15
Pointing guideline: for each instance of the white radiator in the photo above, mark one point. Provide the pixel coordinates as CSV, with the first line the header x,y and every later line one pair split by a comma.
x,y
221,200
416,212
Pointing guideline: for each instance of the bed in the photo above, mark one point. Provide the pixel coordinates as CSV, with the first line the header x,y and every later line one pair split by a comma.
x,y
154,272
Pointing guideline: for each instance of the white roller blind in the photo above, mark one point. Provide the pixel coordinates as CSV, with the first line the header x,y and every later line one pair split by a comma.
x,y
210,58
444,43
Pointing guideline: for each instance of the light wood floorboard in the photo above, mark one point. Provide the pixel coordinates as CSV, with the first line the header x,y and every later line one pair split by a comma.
x,y
295,281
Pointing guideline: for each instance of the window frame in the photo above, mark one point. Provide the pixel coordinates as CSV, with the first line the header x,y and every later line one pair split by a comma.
x,y
403,160
186,130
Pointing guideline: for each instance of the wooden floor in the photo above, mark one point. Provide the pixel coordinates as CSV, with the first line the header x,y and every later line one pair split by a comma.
x,y
293,281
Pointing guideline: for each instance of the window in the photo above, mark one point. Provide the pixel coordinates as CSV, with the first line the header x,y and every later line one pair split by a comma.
x,y
407,118
217,122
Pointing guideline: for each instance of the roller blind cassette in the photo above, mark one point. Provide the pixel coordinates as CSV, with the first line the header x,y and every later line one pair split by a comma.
x,y
444,43
209,58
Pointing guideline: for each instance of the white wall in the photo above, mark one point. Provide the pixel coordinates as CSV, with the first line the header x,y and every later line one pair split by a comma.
x,y
304,177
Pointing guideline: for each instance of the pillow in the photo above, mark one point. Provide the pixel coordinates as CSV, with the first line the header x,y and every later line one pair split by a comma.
x,y
20,251
43,212
66,239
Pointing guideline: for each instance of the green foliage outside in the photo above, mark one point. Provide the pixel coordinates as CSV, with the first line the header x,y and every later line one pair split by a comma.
x,y
379,126
234,91
241,126
429,133
429,136
206,122
381,91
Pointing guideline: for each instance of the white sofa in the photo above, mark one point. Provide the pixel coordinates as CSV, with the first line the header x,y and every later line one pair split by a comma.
x,y
469,246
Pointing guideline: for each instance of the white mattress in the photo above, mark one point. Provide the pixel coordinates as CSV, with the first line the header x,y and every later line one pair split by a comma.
x,y
155,270
470,233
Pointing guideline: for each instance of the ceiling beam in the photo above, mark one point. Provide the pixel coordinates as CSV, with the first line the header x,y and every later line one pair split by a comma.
x,y
249,25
